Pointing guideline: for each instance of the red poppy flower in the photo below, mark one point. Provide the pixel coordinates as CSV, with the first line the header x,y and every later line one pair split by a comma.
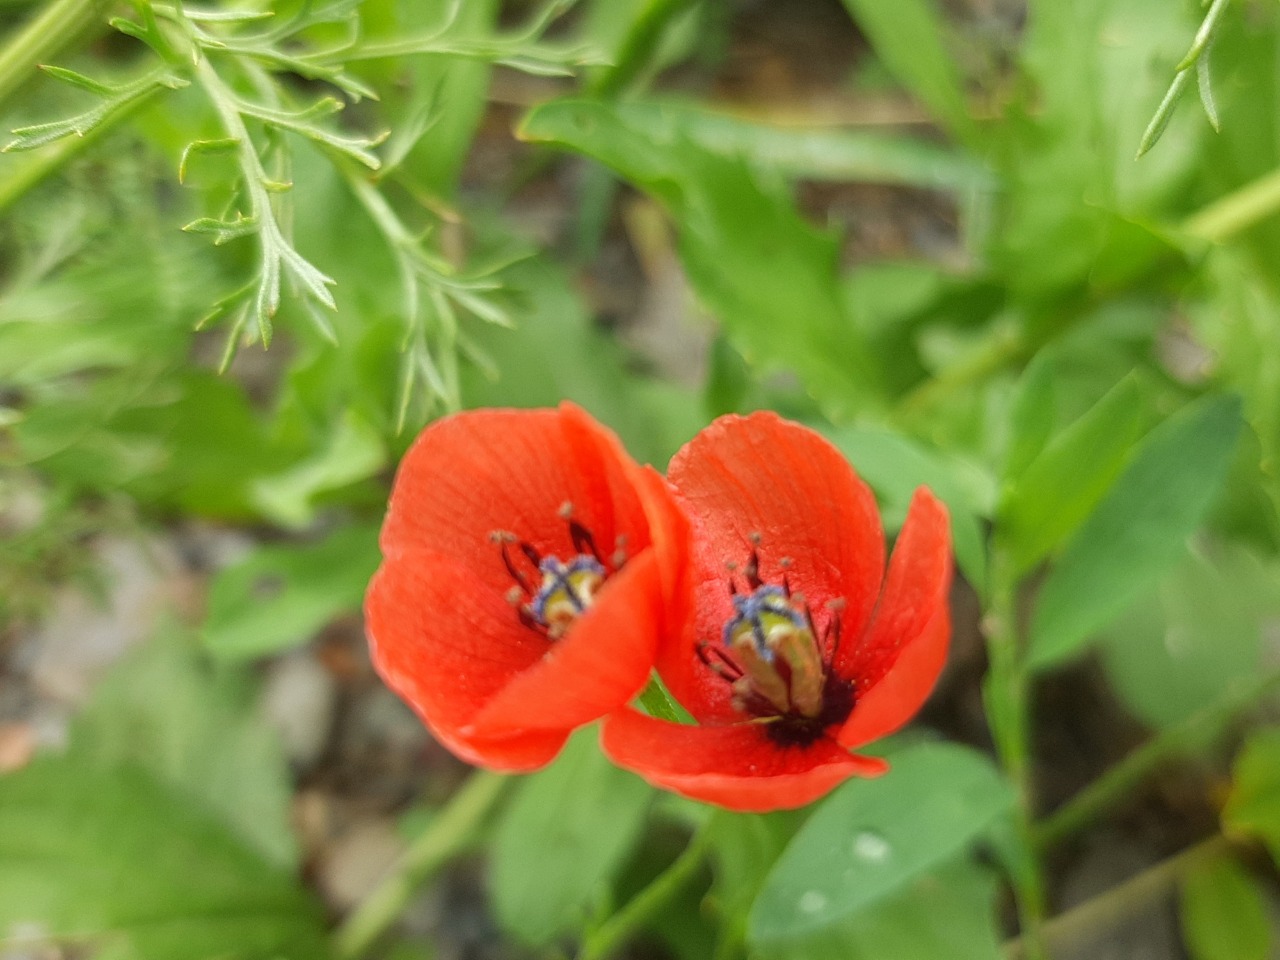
x,y
519,595
795,646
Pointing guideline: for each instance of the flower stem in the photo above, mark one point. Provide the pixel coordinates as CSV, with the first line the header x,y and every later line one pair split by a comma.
x,y
1192,735
1237,211
446,836
1005,694
642,908
1092,919
55,27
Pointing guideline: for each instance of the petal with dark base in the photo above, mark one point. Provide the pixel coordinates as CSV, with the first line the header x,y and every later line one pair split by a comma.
x,y
736,766
897,662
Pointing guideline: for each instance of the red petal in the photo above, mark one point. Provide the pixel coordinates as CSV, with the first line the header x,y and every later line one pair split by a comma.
x,y
898,661
447,645
472,473
735,766
764,475
598,666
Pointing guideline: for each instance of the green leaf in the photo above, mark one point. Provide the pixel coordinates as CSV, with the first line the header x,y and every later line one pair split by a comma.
x,y
1253,808
894,466
1053,495
949,912
1136,531
1223,913
908,36
1031,418
114,858
166,711
1181,648
770,277
872,838
355,452
279,596
565,835
816,154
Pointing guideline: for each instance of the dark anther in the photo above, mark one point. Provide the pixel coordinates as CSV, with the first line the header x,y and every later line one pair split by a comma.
x,y
534,556
722,663
752,570
527,619
516,575
583,541
832,638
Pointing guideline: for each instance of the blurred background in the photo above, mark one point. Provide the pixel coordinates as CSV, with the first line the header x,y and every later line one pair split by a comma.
x,y
919,227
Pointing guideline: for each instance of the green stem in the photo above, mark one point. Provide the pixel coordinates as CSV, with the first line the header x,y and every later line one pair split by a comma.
x,y
1237,211
1192,736
55,27
1006,695
446,836
1091,920
643,38
646,905
1003,348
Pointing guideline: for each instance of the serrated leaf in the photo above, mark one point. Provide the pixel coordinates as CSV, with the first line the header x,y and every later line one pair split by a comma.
x,y
567,831
113,857
79,80
1137,529
223,231
37,135
220,146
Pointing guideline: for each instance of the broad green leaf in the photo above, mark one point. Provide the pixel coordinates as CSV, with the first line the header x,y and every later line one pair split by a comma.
x,y
872,838
894,465
816,154
111,857
1137,530
566,833
1223,914
770,277
908,36
948,912
165,710
1253,808
1031,418
354,452
1184,646
279,596
1053,495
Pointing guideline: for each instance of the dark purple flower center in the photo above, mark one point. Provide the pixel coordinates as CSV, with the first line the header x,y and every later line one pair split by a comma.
x,y
549,593
779,671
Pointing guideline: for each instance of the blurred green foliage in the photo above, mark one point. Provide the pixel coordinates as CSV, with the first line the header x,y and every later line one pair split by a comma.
x,y
1086,370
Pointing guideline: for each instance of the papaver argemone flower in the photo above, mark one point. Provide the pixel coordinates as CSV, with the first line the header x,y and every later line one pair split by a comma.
x,y
519,595
795,646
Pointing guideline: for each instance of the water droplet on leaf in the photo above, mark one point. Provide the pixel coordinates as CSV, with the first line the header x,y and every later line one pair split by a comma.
x,y
812,901
870,847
